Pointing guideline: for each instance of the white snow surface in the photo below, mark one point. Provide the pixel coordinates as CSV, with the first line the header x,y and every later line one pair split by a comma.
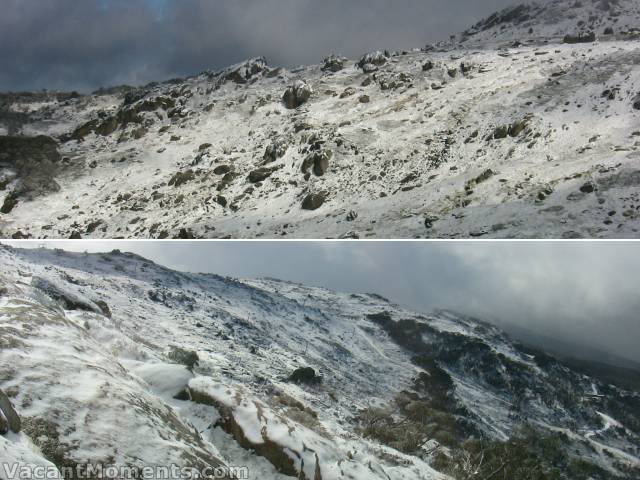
x,y
411,153
103,388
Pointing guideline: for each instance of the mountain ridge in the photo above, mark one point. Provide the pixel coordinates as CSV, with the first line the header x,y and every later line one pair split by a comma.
x,y
371,388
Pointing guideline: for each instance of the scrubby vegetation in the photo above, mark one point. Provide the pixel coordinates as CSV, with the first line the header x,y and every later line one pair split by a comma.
x,y
530,454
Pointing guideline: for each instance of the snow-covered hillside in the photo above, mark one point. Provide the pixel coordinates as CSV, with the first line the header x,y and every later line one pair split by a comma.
x,y
111,359
503,133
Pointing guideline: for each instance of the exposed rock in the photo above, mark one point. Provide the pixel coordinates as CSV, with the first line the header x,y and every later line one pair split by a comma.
x,y
260,174
267,448
102,305
430,220
12,419
35,161
127,114
10,202
348,92
371,61
297,94
333,64
222,201
364,99
588,187
313,201
4,424
182,356
222,169
319,160
277,149
589,37
181,178
227,180
246,71
306,375
395,81
636,102
67,299
517,128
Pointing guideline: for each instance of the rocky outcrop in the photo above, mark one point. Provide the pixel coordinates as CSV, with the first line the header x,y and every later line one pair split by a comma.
x,y
35,162
277,149
371,61
306,375
268,449
181,178
245,72
319,160
297,94
333,64
314,201
588,37
261,174
126,115
9,418
67,299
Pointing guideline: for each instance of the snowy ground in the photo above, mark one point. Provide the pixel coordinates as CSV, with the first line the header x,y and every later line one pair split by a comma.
x,y
89,387
416,160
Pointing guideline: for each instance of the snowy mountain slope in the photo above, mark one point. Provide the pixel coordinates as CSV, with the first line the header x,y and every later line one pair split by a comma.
x,y
391,394
482,138
552,20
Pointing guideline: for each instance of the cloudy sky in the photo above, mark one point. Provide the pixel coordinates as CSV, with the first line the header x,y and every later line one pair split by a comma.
x,y
585,293
72,44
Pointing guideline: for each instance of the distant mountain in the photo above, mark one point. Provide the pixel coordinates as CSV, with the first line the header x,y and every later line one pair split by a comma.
x,y
525,126
99,351
568,350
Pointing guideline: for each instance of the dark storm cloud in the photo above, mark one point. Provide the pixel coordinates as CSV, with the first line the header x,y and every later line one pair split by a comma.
x,y
581,293
68,44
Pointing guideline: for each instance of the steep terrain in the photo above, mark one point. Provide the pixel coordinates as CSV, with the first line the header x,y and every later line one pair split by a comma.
x,y
527,125
112,359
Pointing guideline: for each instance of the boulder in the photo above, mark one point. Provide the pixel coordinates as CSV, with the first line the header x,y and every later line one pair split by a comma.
x,y
11,418
260,174
348,92
305,375
296,94
313,201
102,305
10,202
181,356
583,37
4,424
277,149
181,178
319,160
588,187
222,169
517,128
